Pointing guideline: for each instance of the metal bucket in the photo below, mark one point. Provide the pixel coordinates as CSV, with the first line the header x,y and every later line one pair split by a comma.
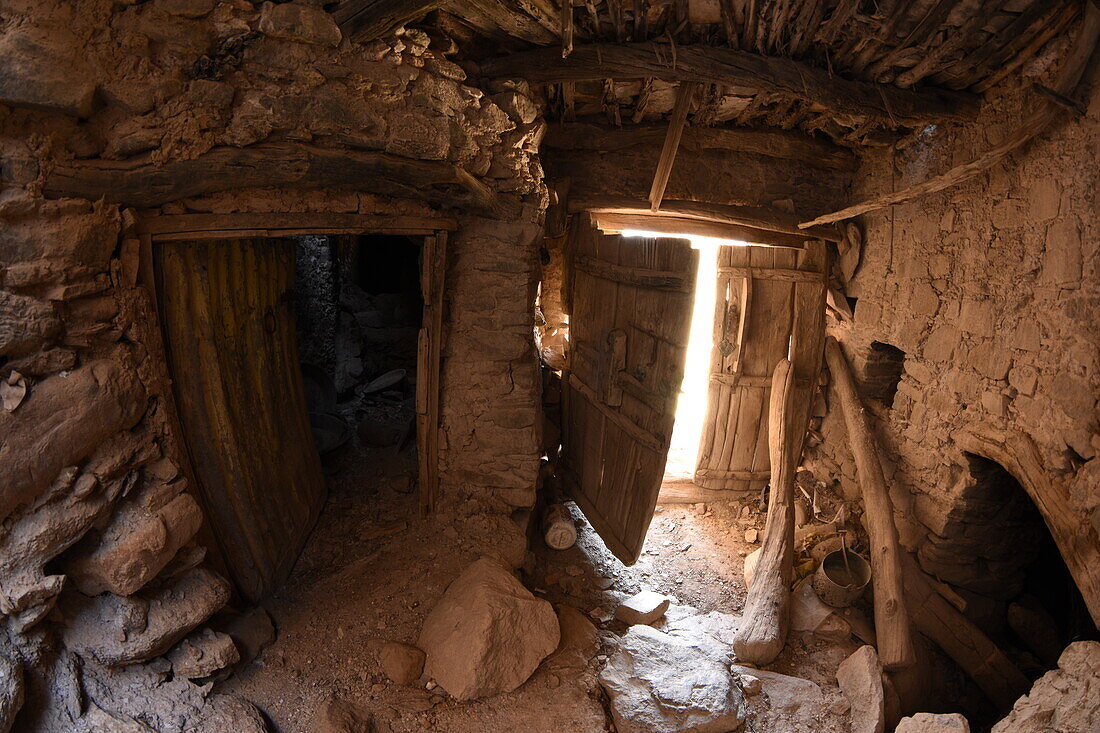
x,y
840,580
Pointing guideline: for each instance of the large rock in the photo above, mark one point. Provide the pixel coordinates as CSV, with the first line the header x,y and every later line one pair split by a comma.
x,y
662,684
933,723
860,678
487,634
202,654
62,421
402,663
135,546
26,324
43,71
1064,699
119,630
794,697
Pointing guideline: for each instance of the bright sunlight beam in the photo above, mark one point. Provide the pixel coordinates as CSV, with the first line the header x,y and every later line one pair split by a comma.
x,y
691,407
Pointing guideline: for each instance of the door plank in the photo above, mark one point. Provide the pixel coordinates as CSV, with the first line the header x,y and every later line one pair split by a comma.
x,y
232,353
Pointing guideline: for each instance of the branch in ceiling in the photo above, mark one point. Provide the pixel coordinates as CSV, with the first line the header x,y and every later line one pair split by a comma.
x,y
711,65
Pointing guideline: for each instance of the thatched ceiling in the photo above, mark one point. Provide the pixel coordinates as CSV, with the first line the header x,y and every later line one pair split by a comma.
x,y
928,48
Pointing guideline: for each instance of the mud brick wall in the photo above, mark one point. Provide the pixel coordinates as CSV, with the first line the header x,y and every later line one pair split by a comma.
x,y
991,290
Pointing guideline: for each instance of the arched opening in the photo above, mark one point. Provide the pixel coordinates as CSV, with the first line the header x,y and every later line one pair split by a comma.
x,y
998,552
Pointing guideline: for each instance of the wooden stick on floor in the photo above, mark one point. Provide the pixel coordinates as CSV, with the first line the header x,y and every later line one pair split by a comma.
x,y
763,630
895,639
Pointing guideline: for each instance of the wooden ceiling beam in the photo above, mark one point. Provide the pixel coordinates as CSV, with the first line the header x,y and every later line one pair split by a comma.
x,y
363,20
771,143
711,65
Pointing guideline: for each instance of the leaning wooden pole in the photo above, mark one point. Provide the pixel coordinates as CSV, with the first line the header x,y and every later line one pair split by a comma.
x,y
763,630
892,628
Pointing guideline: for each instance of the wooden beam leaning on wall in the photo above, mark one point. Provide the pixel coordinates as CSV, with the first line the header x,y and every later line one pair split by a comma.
x,y
1049,110
138,182
779,144
711,65
892,628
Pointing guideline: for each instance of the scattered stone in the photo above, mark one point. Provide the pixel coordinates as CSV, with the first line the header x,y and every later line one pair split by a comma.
x,y
487,634
860,678
1063,699
402,663
642,608
750,684
602,614
751,536
337,715
579,641
202,654
788,696
932,723
658,683
700,508
604,583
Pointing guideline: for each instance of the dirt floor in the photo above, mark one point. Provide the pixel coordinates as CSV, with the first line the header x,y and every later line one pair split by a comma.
x,y
373,568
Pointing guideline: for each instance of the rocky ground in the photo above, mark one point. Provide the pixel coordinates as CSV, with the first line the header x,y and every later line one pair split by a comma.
x,y
373,569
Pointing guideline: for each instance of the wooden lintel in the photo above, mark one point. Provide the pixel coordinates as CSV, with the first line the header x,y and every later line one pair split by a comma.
x,y
671,144
782,144
613,223
774,273
764,218
711,65
162,227
140,182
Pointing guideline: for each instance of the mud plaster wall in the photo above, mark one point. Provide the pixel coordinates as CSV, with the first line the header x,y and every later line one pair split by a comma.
x,y
991,289
99,561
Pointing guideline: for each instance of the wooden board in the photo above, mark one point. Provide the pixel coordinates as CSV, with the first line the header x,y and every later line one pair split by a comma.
x,y
232,350
433,270
770,306
629,304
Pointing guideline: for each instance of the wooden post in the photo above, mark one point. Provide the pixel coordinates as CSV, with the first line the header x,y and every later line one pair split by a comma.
x,y
895,640
763,629
672,143
566,28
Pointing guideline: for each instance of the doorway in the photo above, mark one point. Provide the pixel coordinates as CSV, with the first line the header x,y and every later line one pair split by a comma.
x,y
236,332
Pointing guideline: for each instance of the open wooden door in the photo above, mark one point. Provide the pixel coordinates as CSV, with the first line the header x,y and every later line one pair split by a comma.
x,y
233,356
629,302
770,300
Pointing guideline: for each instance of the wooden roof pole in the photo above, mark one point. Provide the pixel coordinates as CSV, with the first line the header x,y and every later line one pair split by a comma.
x,y
672,143
1035,123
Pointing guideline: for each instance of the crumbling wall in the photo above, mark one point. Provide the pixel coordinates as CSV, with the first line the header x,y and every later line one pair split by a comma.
x,y
99,565
991,291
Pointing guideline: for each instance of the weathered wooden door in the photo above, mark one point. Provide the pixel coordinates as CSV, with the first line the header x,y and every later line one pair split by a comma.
x,y
771,300
629,302
233,356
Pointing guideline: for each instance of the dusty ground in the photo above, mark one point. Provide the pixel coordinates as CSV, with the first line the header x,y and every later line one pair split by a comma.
x,y
373,568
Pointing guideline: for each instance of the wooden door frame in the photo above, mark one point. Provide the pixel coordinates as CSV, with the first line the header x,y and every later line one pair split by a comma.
x,y
153,228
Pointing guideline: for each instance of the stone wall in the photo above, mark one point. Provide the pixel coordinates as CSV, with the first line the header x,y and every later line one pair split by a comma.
x,y
991,290
99,562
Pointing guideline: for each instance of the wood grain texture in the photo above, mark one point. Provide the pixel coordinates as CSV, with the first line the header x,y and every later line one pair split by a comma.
x,y
618,406
233,356
765,620
671,143
433,273
139,182
712,65
892,624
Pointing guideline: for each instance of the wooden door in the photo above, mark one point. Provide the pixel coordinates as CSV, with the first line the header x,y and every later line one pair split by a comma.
x,y
233,356
629,302
771,301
